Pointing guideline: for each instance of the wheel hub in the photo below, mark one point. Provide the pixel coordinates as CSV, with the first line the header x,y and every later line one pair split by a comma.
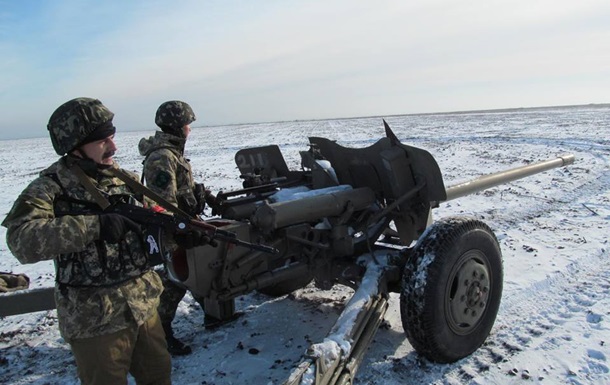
x,y
468,296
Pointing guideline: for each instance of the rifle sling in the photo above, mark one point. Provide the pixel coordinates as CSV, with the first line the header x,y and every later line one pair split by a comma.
x,y
88,185
140,188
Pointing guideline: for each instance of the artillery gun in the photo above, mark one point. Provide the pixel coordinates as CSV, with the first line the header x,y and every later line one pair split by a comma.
x,y
360,217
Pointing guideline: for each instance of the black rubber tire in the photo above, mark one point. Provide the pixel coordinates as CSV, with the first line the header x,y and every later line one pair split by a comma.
x,y
451,289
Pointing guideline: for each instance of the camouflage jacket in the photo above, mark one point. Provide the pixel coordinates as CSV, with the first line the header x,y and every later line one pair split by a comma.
x,y
168,173
36,232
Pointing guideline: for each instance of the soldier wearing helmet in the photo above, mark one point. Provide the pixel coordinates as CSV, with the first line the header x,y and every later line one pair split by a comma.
x,y
106,292
173,116
168,173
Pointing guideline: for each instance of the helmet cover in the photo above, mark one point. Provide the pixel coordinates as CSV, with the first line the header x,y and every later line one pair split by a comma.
x,y
171,116
74,121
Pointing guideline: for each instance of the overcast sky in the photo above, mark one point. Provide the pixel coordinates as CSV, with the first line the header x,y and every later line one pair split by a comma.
x,y
253,61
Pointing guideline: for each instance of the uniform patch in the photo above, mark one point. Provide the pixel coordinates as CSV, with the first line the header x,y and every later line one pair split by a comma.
x,y
162,179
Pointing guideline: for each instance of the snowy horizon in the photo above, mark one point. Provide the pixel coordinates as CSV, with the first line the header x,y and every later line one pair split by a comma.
x,y
196,126
553,326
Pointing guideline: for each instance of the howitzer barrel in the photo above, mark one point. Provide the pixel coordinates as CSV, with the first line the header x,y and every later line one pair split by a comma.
x,y
498,178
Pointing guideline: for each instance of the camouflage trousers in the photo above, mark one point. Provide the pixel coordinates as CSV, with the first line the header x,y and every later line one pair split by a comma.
x,y
171,297
141,351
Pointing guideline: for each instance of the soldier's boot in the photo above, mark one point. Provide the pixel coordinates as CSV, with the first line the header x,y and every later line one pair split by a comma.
x,y
175,347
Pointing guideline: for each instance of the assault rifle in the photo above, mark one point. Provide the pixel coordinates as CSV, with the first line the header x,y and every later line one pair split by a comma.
x,y
180,221
178,224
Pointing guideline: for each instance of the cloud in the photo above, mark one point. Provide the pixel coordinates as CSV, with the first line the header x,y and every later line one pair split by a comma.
x,y
240,61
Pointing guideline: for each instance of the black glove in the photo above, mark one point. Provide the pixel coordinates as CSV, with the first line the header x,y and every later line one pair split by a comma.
x,y
200,195
192,238
205,196
114,226
211,200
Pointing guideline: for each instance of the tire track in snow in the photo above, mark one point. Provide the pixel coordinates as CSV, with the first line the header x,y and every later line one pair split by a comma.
x,y
520,329
531,318
521,326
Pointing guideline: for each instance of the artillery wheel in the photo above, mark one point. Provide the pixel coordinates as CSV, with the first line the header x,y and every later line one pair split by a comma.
x,y
451,289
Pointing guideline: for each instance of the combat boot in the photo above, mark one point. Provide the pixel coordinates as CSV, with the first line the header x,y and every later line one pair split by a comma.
x,y
175,347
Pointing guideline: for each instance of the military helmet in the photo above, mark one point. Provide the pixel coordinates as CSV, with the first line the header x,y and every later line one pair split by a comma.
x,y
173,115
74,121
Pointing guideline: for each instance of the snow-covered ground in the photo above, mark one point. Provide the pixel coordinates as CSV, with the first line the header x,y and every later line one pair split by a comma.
x,y
553,326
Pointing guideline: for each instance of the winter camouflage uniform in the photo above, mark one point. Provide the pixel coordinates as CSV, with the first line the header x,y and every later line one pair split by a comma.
x,y
103,290
168,173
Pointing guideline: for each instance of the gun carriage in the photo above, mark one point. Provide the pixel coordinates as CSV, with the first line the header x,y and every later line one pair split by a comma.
x,y
359,217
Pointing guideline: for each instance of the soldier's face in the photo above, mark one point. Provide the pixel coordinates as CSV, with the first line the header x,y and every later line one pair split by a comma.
x,y
187,130
101,151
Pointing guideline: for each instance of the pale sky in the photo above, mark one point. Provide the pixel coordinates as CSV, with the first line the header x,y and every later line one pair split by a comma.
x,y
255,61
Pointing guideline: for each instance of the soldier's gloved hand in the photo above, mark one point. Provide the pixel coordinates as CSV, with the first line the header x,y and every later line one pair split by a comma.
x,y
200,195
214,203
193,238
114,226
211,199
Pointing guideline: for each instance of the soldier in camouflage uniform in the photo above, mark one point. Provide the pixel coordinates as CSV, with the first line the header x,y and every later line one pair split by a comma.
x,y
106,293
168,173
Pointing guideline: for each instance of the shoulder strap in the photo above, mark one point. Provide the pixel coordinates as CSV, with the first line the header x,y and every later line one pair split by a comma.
x,y
140,188
67,198
88,185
